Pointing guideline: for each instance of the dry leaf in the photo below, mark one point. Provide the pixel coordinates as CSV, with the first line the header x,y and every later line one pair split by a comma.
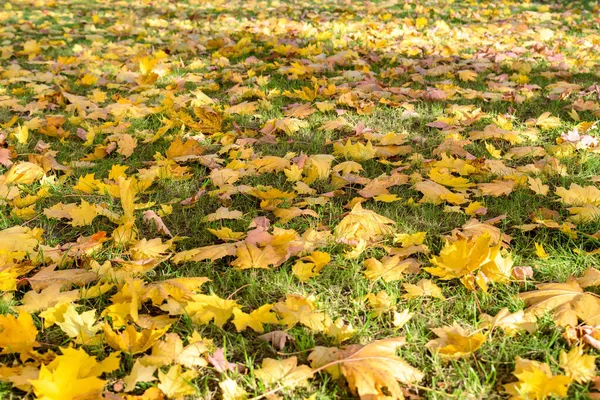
x,y
372,370
277,338
455,342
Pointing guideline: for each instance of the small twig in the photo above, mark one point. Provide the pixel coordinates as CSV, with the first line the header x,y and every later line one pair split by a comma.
x,y
439,392
477,302
83,195
477,364
31,220
294,353
237,290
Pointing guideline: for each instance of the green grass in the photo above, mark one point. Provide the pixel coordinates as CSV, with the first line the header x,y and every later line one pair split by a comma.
x,y
379,65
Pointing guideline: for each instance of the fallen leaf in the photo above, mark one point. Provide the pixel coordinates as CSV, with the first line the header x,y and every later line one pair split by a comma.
x,y
151,216
132,341
577,365
277,338
218,361
372,370
177,383
389,268
18,334
455,342
139,373
285,373
535,380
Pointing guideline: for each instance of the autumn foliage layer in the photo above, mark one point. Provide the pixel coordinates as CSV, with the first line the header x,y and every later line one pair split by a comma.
x,y
299,199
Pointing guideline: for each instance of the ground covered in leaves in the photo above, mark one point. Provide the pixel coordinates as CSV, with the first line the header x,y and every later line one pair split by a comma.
x,y
299,199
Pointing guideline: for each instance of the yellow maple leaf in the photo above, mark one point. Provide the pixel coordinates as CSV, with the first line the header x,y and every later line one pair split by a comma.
x,y
578,366
87,184
424,287
223,213
126,144
299,309
255,319
379,303
297,69
496,188
455,342
348,167
401,318
317,260
31,48
251,256
21,133
287,125
225,176
591,277
83,214
17,334
475,208
537,186
210,121
389,268
578,195
181,151
148,249
178,289
535,381
49,297
432,192
8,278
285,373
335,124
24,172
177,383
567,301
339,331
357,151
269,164
460,258
19,376
372,371
79,214
420,22
474,261
81,327
171,350
293,173
230,390
243,108
204,308
73,375
509,323
544,121
467,75
139,373
132,341
89,79
213,252
586,213
410,239
318,166
363,224
493,151
448,179
387,198
287,214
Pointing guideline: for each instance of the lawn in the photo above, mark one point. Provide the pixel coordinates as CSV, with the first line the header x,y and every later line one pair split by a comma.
x,y
299,199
